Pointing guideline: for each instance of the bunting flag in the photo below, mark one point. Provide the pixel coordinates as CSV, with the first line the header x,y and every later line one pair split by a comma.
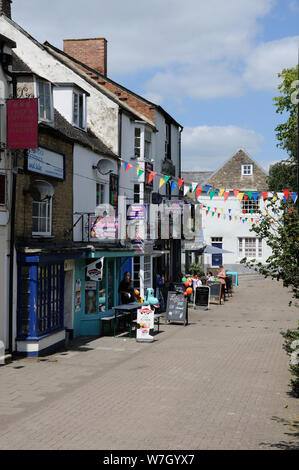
x,y
207,188
265,195
127,166
250,194
221,191
173,185
246,197
198,191
212,194
240,196
255,196
294,196
194,186
286,192
180,182
186,189
222,210
151,176
164,180
236,192
216,192
140,171
226,194
218,215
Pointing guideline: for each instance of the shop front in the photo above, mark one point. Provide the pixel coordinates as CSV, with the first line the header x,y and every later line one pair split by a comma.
x,y
97,294
41,294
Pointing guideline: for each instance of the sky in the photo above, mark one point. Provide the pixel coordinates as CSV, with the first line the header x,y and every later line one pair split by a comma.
x,y
212,65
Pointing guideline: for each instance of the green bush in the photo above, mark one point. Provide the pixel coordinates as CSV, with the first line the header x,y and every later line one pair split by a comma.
x,y
290,336
196,269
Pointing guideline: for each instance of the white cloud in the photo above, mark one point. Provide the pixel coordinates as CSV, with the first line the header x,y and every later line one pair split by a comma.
x,y
208,147
266,60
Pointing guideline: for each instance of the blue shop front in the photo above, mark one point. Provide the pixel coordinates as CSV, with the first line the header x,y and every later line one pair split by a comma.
x,y
94,299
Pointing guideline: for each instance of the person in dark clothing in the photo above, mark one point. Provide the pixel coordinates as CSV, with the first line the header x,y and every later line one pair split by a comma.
x,y
126,290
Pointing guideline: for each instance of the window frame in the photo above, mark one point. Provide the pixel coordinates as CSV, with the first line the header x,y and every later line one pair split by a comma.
x,y
48,218
248,166
81,113
258,247
167,149
248,202
51,104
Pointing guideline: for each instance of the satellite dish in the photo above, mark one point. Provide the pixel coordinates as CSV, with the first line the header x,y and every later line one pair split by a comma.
x,y
40,190
104,166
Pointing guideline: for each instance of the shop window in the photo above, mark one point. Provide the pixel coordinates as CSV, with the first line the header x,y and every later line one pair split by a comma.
x,y
45,101
42,217
167,141
40,299
147,144
136,193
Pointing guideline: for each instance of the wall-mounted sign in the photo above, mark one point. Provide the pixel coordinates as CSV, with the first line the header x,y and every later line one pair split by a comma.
x,y
103,228
136,212
22,123
172,206
94,271
46,162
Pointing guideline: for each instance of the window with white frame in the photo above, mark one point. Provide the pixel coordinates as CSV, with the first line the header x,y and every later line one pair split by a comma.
x,y
79,101
137,142
250,247
147,144
100,193
42,217
45,101
167,141
250,206
247,169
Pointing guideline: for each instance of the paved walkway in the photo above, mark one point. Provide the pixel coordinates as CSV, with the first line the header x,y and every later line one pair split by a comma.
x,y
219,383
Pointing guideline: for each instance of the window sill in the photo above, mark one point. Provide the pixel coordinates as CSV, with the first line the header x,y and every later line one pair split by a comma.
x,y
40,235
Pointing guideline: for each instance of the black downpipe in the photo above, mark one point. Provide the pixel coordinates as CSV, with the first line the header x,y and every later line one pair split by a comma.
x,y
12,236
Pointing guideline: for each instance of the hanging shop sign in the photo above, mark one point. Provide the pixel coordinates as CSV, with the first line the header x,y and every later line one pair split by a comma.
x,y
136,212
94,271
46,162
145,321
174,206
103,228
22,123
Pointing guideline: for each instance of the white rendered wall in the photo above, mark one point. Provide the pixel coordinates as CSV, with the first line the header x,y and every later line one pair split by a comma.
x,y
102,113
230,231
63,102
85,180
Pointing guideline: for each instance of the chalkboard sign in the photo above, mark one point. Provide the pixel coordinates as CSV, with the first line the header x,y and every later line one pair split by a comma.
x,y
177,307
178,287
215,292
202,296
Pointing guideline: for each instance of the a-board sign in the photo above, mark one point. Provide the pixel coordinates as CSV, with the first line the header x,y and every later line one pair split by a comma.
x,y
179,287
202,296
215,292
177,307
145,321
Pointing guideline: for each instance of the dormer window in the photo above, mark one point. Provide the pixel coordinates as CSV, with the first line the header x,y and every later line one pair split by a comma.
x,y
45,101
247,170
79,107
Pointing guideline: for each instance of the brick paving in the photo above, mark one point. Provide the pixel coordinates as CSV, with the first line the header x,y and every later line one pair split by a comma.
x,y
219,383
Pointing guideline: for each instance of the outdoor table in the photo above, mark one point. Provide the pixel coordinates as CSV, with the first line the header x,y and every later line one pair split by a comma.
x,y
129,310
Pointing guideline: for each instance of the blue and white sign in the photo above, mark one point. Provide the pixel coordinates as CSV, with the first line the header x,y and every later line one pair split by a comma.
x,y
46,162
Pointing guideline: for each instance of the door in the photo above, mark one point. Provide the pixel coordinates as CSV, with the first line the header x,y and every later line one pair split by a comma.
x,y
217,259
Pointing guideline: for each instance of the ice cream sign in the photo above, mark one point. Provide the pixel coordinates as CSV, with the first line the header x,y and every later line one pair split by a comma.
x,y
94,271
145,320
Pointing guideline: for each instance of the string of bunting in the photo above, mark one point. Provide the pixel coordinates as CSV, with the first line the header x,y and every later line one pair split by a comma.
x,y
206,189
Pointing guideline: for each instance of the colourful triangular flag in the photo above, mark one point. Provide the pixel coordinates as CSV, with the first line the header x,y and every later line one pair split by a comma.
x,y
151,176
207,188
236,192
255,196
286,192
140,171
221,191
240,196
212,194
265,195
194,186
294,196
180,182
127,166
173,185
198,191
226,194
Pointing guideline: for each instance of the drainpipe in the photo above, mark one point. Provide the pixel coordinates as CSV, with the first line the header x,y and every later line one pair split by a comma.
x,y
12,236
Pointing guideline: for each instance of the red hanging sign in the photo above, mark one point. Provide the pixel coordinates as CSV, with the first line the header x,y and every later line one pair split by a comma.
x,y
22,123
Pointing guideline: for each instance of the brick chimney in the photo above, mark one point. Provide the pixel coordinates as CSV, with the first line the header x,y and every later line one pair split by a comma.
x,y
91,52
5,8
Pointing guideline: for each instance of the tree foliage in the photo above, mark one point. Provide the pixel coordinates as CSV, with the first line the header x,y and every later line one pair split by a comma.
x,y
286,133
279,227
